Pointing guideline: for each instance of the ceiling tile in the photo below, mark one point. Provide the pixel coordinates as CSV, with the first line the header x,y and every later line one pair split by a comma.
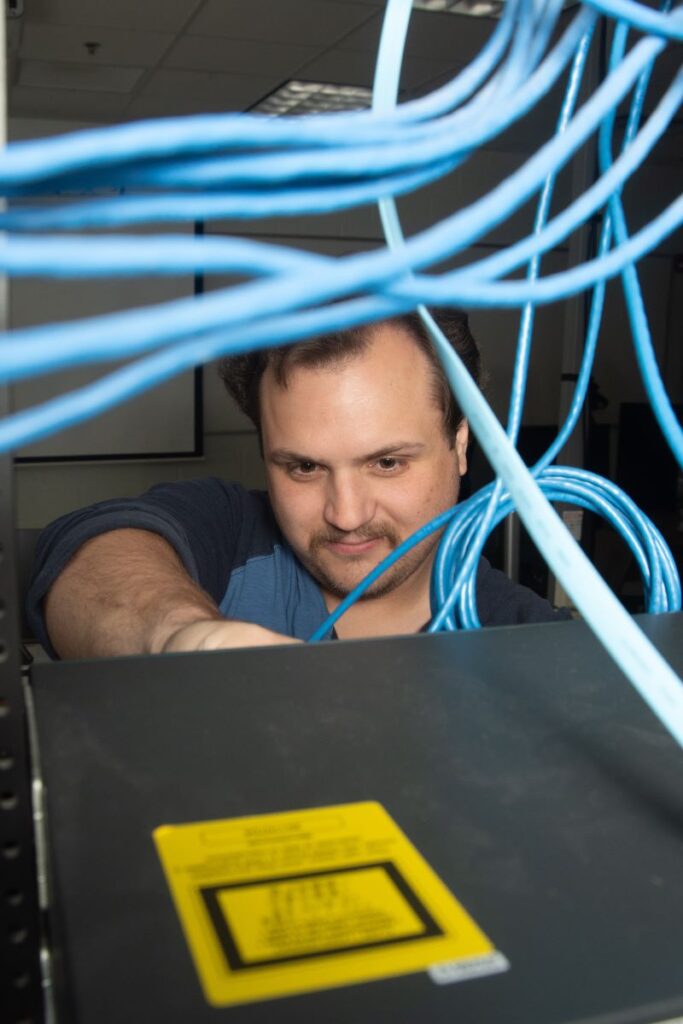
x,y
340,68
66,104
173,93
86,77
358,68
438,36
432,82
365,37
213,53
67,42
301,22
453,37
155,15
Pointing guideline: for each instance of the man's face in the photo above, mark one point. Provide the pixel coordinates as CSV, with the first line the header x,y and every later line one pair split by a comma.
x,y
357,459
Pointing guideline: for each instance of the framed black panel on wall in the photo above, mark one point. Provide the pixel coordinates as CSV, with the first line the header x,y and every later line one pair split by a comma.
x,y
163,422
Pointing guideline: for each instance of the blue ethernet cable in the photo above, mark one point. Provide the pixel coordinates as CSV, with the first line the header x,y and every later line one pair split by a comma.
x,y
132,255
87,257
60,346
135,378
176,208
590,201
551,287
132,143
571,486
62,155
23,428
36,350
222,171
647,363
22,161
481,122
668,26
8,171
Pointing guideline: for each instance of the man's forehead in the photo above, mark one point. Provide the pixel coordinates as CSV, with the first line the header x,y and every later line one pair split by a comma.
x,y
351,414
386,343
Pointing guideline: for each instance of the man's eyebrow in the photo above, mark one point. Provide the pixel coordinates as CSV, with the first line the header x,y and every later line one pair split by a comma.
x,y
286,455
404,447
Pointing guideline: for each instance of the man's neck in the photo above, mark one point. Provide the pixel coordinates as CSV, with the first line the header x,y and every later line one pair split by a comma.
x,y
403,610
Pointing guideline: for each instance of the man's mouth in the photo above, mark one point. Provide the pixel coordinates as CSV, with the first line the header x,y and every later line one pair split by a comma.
x,y
359,547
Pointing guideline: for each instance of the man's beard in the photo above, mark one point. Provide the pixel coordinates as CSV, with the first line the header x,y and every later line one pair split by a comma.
x,y
388,581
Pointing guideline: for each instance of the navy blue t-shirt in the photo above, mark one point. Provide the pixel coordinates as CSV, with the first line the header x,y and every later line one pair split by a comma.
x,y
232,547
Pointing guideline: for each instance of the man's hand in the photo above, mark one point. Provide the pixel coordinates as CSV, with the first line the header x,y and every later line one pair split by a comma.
x,y
215,634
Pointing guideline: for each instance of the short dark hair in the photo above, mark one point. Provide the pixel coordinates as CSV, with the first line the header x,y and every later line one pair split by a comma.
x,y
242,374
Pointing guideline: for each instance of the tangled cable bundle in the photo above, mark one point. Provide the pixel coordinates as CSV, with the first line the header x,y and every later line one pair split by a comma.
x,y
246,166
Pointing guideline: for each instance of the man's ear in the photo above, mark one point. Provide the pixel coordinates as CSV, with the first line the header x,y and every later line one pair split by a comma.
x,y
462,438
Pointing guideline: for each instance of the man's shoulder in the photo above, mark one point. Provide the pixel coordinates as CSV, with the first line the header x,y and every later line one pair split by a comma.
x,y
502,602
212,488
218,506
211,495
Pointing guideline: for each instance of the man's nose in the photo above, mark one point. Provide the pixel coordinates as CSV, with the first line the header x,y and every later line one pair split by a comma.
x,y
348,503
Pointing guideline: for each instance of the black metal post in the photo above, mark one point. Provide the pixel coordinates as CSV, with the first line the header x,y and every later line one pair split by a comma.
x,y
20,977
20,982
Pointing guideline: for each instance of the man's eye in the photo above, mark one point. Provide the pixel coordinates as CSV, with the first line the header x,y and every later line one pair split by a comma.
x,y
303,468
388,462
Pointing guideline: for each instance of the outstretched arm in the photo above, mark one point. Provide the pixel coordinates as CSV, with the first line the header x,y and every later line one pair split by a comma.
x,y
127,592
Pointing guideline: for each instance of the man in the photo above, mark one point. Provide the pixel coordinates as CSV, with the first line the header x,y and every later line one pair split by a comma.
x,y
362,443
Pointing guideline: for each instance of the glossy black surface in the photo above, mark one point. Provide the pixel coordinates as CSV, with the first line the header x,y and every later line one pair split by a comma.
x,y
519,761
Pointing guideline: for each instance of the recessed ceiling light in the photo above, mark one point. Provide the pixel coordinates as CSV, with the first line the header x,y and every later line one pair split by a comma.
x,y
296,97
472,8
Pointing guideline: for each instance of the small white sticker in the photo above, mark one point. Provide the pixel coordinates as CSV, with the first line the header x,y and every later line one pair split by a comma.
x,y
472,967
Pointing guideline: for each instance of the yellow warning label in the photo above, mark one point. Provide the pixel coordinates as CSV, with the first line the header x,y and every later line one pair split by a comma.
x,y
286,903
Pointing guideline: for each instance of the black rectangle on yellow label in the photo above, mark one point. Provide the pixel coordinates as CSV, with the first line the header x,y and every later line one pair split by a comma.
x,y
319,913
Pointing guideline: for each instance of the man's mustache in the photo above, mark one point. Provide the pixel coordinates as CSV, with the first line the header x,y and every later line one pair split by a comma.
x,y
371,531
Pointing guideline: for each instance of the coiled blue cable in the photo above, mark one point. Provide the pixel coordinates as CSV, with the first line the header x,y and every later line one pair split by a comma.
x,y
467,530
662,691
462,580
